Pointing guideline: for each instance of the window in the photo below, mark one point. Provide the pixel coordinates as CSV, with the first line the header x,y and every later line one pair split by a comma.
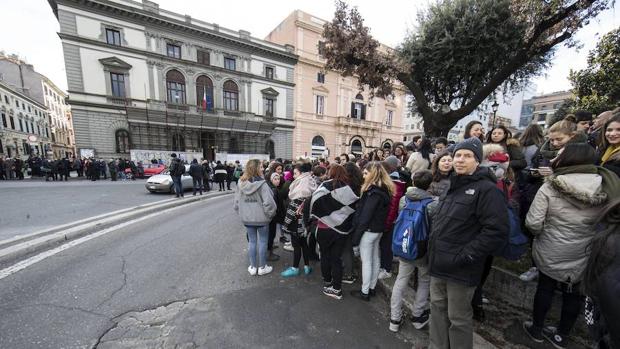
x,y
4,120
47,133
204,93
21,125
320,105
358,110
230,63
318,146
356,146
173,51
231,96
118,85
269,72
269,103
175,86
122,141
6,99
17,103
38,129
12,120
202,57
113,37
29,109
388,117
320,77
321,48
31,127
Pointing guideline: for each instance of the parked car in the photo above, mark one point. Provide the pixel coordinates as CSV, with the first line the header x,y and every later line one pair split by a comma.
x,y
153,169
162,183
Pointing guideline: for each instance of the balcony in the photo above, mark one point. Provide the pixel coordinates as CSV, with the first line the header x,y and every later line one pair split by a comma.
x,y
358,123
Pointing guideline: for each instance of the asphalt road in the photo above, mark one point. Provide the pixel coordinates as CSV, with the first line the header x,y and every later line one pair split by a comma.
x,y
33,205
180,280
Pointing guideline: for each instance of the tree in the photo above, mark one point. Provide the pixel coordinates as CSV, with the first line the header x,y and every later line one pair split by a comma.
x,y
597,87
461,52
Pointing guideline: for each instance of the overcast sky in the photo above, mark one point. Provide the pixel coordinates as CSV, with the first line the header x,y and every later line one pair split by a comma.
x,y
29,28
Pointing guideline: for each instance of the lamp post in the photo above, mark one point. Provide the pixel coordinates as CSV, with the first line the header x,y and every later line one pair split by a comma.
x,y
494,106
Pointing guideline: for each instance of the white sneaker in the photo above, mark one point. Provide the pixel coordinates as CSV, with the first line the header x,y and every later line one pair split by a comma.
x,y
265,270
252,270
288,247
529,275
384,274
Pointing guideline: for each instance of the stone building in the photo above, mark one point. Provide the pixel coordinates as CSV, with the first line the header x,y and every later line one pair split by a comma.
x,y
331,115
540,109
143,78
24,125
413,124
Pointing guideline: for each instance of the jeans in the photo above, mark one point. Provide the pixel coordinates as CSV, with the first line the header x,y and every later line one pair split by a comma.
x,y
178,186
451,315
386,250
331,244
572,301
197,184
369,253
405,270
257,235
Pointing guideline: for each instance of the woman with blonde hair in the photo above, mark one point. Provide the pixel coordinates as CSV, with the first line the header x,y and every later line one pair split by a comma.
x,y
369,223
255,205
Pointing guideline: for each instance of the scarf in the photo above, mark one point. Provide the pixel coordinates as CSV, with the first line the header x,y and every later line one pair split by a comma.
x,y
302,187
609,152
334,207
611,182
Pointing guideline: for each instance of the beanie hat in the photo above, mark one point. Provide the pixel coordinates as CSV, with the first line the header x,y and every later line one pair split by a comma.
x,y
392,162
473,144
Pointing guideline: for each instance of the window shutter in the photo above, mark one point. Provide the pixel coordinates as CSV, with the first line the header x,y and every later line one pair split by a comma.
x,y
363,112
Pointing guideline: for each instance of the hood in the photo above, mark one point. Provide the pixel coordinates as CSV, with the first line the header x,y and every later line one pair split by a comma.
x,y
513,142
251,186
581,189
417,194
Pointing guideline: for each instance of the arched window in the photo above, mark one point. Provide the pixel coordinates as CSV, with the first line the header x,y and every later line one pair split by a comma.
x,y
318,146
122,141
204,93
175,86
356,146
359,96
231,96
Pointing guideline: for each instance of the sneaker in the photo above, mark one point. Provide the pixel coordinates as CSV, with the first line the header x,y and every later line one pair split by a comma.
x,y
307,270
395,325
348,279
420,321
532,332
557,340
332,292
327,284
288,247
273,257
383,274
360,295
485,300
252,270
265,270
290,272
529,275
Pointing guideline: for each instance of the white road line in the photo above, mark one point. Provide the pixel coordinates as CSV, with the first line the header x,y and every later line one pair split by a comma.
x,y
43,255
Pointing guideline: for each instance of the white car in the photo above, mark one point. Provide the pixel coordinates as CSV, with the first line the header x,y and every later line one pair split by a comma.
x,y
162,183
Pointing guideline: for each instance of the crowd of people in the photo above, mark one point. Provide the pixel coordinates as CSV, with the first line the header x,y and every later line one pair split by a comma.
x,y
443,212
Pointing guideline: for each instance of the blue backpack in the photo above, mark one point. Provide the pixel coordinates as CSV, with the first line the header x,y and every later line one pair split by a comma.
x,y
410,238
517,241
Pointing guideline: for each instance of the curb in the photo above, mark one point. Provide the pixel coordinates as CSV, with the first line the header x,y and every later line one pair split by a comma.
x,y
23,246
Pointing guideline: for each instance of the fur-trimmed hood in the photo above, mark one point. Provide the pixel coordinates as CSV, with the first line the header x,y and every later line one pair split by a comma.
x,y
514,142
581,189
491,148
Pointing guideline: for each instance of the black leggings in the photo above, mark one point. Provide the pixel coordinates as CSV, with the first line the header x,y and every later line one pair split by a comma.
x,y
222,187
272,234
572,302
331,244
477,299
385,247
300,247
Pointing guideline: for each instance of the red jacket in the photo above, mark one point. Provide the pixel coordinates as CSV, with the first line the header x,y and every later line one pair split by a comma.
x,y
393,209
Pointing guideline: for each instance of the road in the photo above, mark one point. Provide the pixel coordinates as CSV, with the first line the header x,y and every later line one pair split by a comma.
x,y
179,279
32,205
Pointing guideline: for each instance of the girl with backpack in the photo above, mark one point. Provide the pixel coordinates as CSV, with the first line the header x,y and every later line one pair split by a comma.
x,y
377,192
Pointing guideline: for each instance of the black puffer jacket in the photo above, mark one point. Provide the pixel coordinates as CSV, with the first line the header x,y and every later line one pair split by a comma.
x,y
607,291
372,211
470,223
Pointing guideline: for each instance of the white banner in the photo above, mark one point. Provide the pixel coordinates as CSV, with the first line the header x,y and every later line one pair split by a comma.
x,y
147,155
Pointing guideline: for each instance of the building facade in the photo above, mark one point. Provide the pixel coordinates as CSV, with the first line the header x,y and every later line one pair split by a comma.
x,y
24,125
413,124
331,115
22,77
540,109
143,78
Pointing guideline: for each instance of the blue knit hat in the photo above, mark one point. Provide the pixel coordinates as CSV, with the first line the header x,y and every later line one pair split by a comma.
x,y
473,144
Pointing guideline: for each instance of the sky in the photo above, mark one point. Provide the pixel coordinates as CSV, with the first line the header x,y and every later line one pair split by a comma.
x,y
33,27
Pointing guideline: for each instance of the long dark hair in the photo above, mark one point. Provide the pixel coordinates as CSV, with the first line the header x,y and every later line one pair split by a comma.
x,y
507,134
533,135
468,129
425,148
355,177
575,154
602,246
437,176
338,174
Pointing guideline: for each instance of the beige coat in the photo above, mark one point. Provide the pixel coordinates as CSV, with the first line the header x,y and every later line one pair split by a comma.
x,y
562,219
417,163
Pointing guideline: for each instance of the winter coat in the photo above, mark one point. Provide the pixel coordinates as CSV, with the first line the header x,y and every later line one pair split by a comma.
x,y
372,210
413,194
302,187
220,173
334,204
417,163
393,209
281,210
470,223
196,171
613,163
254,202
517,159
562,218
439,188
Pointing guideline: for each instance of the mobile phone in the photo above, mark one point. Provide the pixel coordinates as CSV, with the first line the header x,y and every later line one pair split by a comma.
x,y
534,171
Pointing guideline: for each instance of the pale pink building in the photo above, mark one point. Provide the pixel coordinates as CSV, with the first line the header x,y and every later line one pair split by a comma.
x,y
331,115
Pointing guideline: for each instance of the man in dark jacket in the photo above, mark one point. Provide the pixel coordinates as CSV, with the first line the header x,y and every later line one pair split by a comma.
x,y
176,171
470,223
196,171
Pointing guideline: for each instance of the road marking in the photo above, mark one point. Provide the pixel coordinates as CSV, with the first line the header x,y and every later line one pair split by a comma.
x,y
43,255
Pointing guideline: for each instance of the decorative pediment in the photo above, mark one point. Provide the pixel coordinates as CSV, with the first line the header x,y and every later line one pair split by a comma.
x,y
270,92
321,89
115,62
390,104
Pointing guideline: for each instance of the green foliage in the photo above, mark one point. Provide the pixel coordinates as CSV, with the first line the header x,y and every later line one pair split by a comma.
x,y
597,87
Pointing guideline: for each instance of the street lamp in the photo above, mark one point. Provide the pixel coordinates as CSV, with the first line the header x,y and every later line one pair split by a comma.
x,y
494,106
